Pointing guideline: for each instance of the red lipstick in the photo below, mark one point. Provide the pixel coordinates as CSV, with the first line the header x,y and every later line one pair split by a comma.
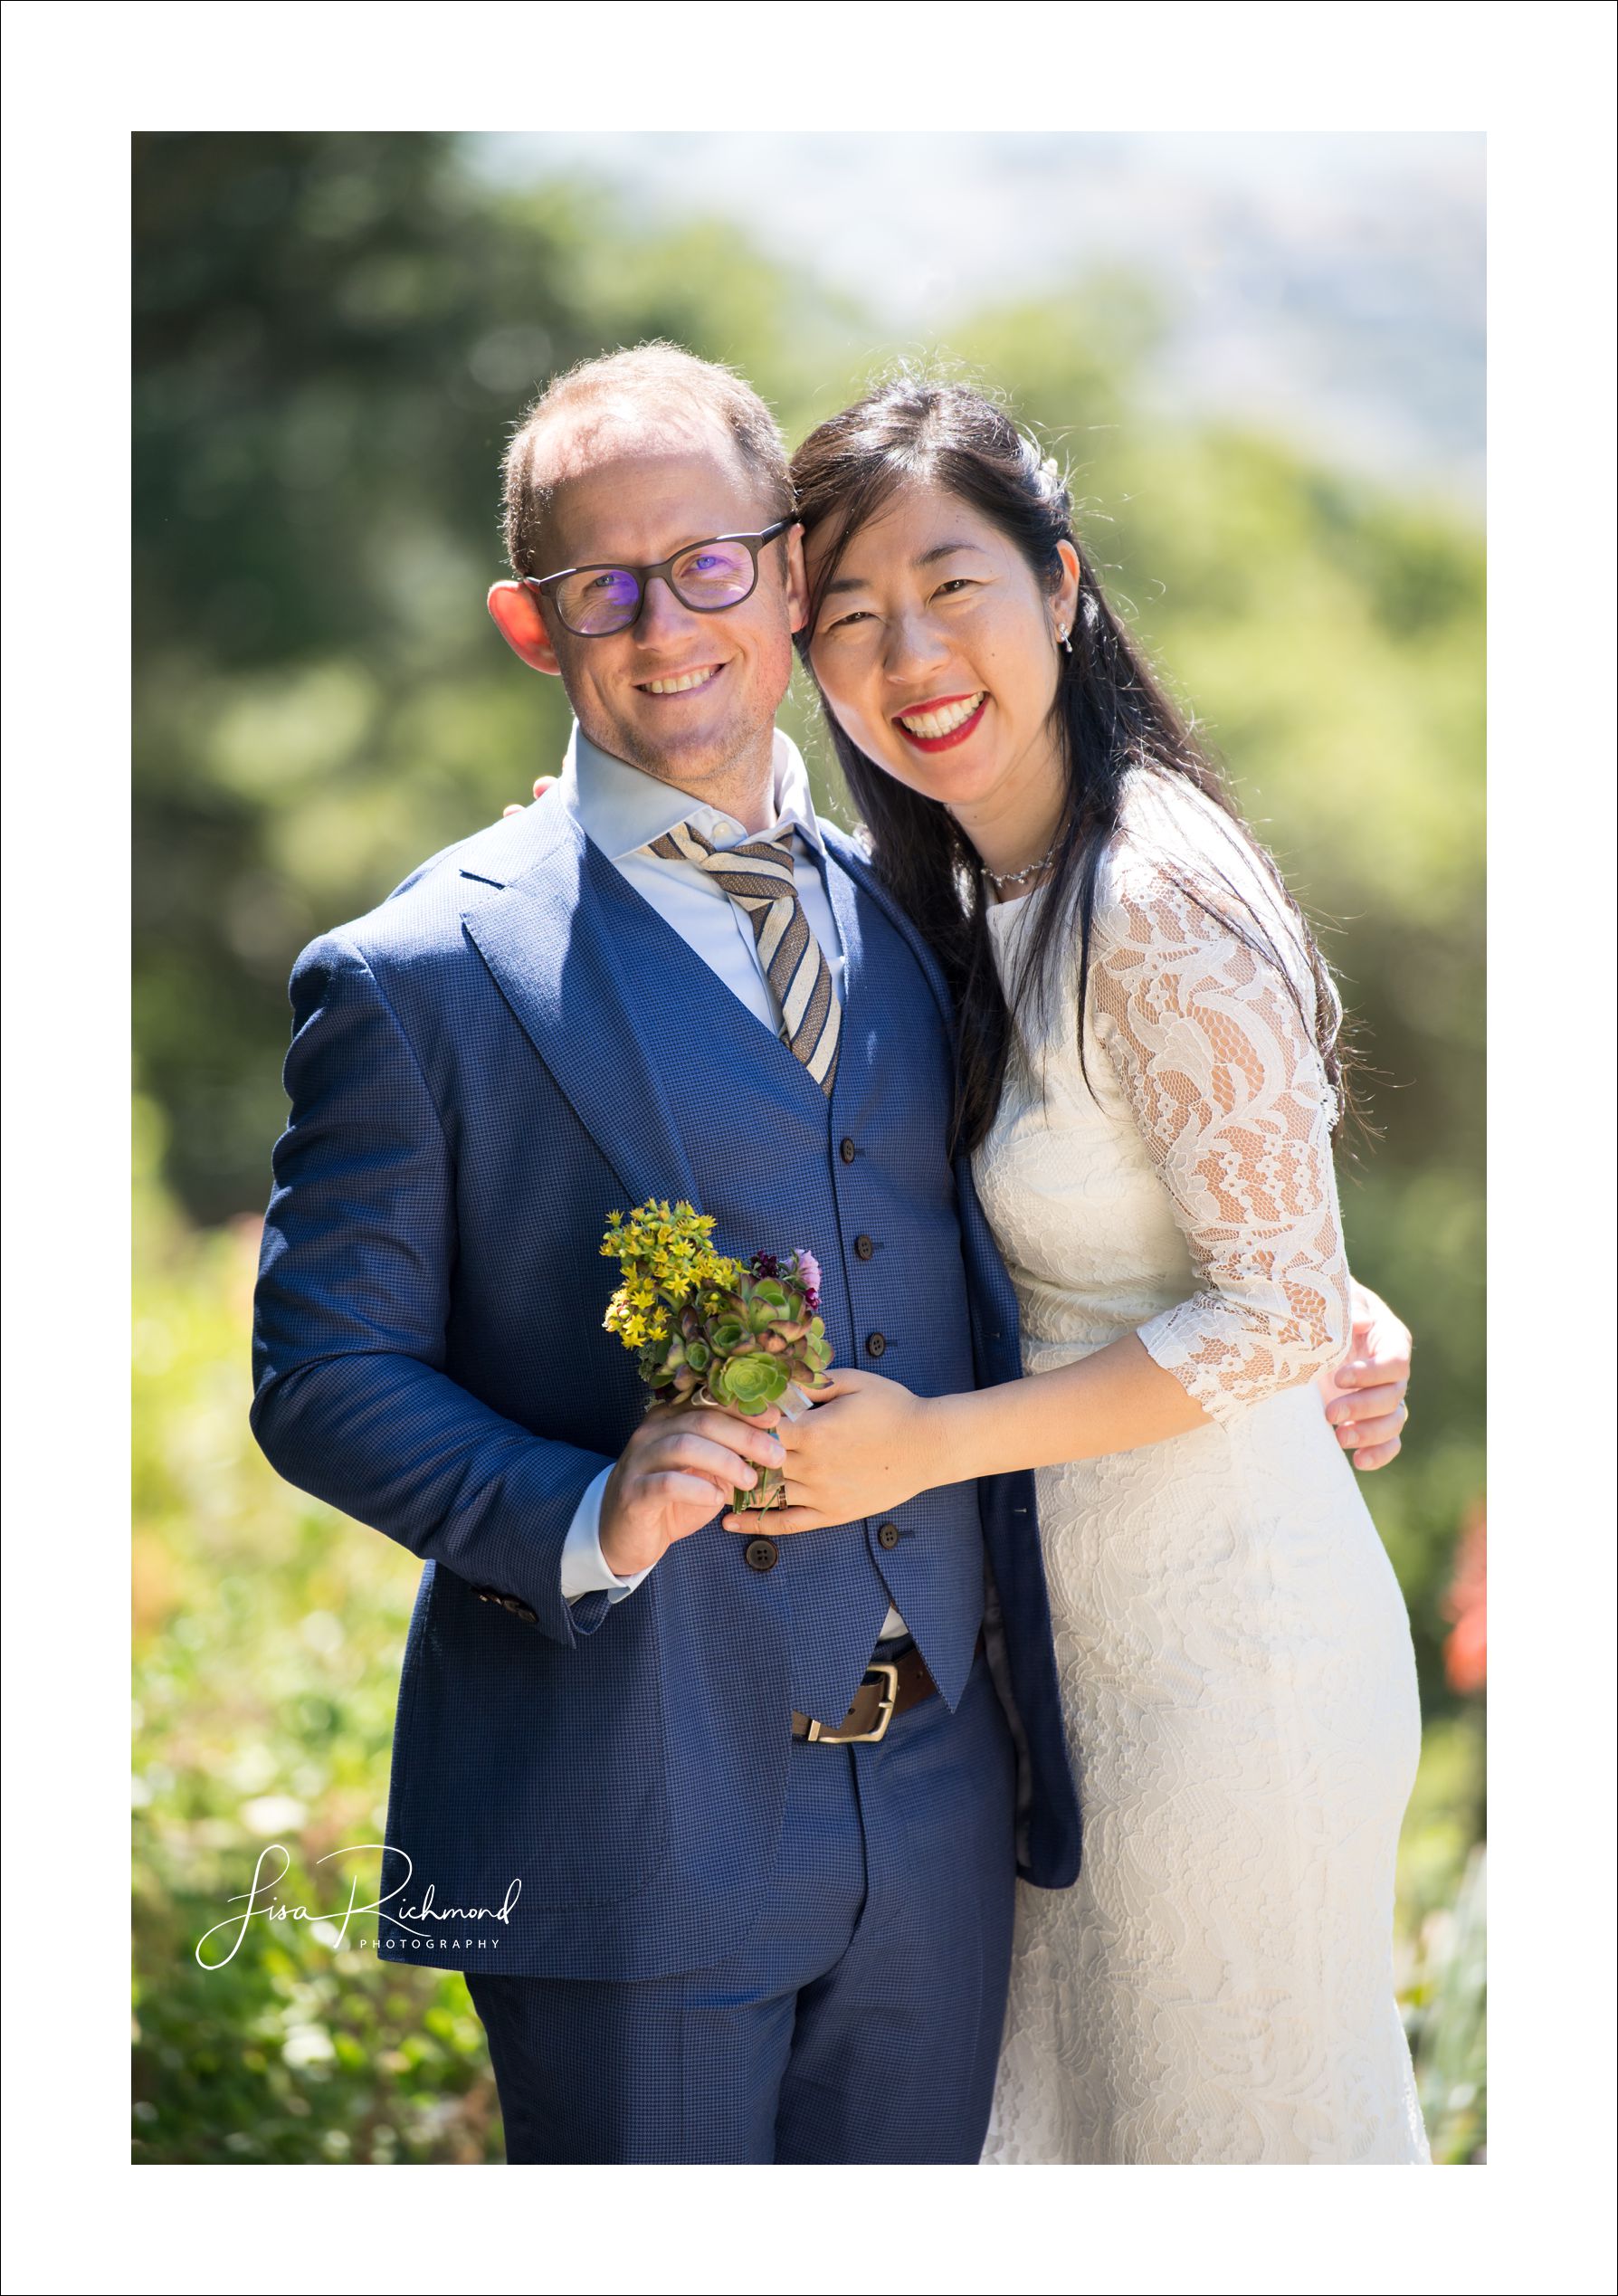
x,y
944,740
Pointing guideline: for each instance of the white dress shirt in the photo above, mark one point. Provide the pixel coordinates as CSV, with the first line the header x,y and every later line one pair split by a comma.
x,y
621,810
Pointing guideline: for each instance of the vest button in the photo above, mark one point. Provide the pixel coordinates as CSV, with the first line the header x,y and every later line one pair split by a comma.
x,y
761,1554
888,1535
876,1345
864,1247
847,1151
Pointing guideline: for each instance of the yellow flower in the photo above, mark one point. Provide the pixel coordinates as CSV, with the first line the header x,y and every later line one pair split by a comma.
x,y
665,1257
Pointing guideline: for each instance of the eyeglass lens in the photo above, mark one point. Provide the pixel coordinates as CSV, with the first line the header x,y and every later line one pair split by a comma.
x,y
605,598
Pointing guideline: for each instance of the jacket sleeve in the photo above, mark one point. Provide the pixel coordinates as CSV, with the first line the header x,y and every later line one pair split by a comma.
x,y
351,1400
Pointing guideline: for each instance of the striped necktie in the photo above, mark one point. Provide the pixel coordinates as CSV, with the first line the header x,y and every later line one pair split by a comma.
x,y
758,877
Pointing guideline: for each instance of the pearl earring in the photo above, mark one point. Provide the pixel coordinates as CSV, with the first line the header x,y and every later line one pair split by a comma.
x,y
1067,642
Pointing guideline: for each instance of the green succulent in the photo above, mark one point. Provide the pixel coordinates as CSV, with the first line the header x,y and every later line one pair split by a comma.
x,y
750,1383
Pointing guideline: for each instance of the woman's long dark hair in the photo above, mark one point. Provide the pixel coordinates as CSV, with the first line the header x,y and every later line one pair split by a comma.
x,y
1113,717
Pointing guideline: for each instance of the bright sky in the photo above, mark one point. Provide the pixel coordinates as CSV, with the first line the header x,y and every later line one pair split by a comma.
x,y
1331,282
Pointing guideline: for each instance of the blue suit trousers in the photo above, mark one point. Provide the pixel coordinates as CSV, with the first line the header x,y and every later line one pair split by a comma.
x,y
860,2019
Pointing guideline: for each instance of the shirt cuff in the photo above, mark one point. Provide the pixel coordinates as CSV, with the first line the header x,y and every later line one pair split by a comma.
x,y
584,1568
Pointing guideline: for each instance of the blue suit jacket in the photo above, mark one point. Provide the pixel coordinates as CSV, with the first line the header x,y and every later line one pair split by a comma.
x,y
476,1081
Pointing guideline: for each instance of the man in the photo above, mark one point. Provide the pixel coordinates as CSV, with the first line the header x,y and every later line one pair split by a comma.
x,y
722,1830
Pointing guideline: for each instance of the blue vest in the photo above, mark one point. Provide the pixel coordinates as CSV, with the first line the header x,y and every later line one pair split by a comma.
x,y
864,1183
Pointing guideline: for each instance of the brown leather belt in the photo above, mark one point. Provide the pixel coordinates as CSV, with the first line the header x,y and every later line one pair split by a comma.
x,y
887,1690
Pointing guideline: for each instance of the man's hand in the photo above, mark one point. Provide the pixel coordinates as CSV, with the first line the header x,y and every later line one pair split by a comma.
x,y
676,1470
546,781
1364,1396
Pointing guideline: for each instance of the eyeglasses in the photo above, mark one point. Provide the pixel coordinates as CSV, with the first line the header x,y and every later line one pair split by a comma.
x,y
593,601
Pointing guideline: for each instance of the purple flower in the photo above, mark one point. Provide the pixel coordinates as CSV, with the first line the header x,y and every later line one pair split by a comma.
x,y
765,1263
806,1268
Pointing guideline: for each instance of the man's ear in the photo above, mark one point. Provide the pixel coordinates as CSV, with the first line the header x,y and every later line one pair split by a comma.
x,y
797,580
518,620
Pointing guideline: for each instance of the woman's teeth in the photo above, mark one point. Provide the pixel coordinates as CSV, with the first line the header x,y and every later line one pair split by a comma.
x,y
682,685
930,723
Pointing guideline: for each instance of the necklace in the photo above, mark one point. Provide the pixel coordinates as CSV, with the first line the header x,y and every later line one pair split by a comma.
x,y
1021,876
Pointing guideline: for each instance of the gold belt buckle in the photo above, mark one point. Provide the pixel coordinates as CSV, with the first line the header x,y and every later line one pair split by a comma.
x,y
819,1736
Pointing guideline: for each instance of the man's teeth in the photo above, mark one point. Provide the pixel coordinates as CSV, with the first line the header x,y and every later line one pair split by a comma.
x,y
930,723
682,685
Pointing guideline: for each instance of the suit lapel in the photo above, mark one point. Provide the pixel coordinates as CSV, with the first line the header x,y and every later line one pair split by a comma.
x,y
849,862
845,912
545,937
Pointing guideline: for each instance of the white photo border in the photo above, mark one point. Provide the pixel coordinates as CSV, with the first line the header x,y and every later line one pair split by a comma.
x,y
1535,78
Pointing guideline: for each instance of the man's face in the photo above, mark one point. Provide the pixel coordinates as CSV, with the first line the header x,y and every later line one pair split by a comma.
x,y
689,698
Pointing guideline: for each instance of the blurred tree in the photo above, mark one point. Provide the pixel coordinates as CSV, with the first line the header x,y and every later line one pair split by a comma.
x,y
331,338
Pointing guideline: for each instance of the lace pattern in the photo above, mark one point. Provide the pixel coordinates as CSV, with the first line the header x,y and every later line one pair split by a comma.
x,y
1228,1093
1237,1679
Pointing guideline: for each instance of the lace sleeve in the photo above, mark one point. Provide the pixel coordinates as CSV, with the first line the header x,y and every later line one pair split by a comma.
x,y
1227,1087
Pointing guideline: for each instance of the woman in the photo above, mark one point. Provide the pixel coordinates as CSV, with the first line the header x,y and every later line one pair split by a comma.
x,y
1149,1083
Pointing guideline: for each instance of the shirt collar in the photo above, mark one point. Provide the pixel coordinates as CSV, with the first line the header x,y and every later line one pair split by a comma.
x,y
620,808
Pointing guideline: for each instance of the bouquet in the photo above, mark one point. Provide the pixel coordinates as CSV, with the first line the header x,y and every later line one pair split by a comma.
x,y
707,1329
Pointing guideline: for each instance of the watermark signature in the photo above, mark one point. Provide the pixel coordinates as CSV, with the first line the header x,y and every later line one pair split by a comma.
x,y
261,1904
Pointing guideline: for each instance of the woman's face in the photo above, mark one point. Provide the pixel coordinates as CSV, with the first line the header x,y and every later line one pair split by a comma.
x,y
935,648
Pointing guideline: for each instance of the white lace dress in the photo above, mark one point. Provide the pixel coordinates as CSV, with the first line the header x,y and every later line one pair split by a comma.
x,y
1235,1659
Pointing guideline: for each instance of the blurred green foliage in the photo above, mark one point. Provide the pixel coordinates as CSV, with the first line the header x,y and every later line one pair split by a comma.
x,y
332,336
267,1640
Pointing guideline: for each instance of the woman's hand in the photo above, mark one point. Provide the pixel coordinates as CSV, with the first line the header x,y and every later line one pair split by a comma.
x,y
1364,1394
546,781
863,1449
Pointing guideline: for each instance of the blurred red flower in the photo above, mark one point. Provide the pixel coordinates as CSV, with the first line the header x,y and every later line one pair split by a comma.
x,y
1466,1605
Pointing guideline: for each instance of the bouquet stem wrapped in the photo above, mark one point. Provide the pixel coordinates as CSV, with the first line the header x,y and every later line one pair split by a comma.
x,y
708,1330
